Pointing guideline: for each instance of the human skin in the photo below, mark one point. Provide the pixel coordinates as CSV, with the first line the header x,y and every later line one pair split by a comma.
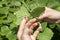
x,y
26,28
50,15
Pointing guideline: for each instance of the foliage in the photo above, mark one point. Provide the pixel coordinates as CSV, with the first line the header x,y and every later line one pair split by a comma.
x,y
13,11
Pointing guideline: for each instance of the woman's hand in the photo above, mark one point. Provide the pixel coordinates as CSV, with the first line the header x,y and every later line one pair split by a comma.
x,y
51,16
25,29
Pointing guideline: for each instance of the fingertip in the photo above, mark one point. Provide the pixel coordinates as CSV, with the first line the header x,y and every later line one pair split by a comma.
x,y
33,25
41,17
57,21
40,27
25,17
33,19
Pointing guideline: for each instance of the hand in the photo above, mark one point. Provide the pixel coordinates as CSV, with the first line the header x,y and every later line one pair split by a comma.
x,y
25,29
51,16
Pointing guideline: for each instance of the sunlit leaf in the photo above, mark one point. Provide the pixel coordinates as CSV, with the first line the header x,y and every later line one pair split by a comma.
x,y
46,35
11,36
20,14
5,30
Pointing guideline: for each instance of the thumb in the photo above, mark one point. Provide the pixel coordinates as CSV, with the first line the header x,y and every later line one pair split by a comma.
x,y
43,16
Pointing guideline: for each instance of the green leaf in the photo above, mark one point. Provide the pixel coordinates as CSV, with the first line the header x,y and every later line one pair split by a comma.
x,y
20,14
3,2
44,26
0,25
58,8
52,25
33,5
53,3
42,2
16,3
37,11
36,3
2,16
58,27
0,38
14,6
11,36
4,10
46,35
26,5
12,25
1,21
10,18
5,30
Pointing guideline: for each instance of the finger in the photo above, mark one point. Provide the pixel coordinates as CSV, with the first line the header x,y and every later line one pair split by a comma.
x,y
37,31
43,16
58,21
30,22
22,25
34,25
21,28
27,31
